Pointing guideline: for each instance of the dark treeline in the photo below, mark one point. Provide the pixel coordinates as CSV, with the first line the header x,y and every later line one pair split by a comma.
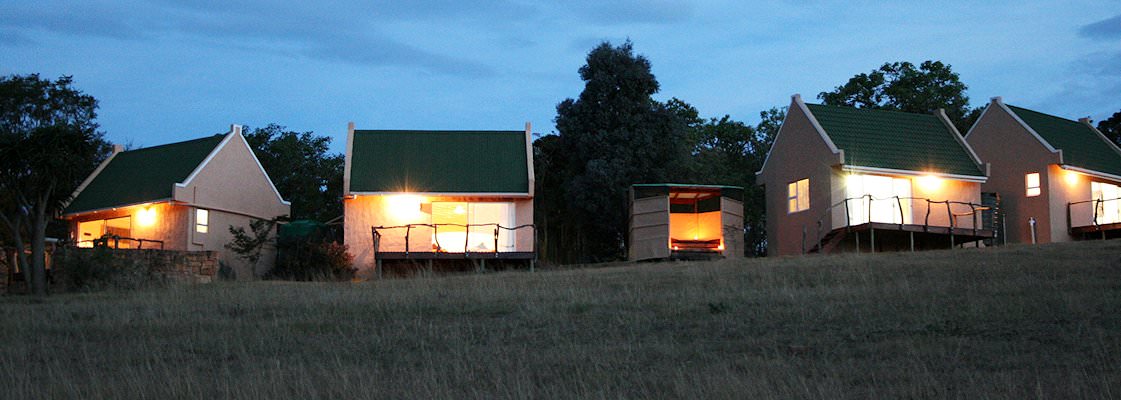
x,y
616,134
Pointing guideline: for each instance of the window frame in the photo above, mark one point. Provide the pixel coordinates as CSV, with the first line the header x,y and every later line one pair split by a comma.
x,y
202,220
1029,190
798,196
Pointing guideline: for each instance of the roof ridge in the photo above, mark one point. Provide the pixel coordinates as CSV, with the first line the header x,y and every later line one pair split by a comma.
x,y
160,146
439,130
866,109
1043,113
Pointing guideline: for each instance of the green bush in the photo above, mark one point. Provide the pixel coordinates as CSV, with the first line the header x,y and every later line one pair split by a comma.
x,y
99,269
312,261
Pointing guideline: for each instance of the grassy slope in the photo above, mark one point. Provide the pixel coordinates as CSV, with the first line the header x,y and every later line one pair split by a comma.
x,y
1018,322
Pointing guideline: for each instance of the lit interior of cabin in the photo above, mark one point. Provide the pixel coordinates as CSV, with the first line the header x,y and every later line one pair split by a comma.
x,y
464,226
88,231
695,221
873,199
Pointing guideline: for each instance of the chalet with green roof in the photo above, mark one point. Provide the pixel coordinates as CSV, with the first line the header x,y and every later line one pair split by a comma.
x,y
853,179
1059,179
177,196
438,195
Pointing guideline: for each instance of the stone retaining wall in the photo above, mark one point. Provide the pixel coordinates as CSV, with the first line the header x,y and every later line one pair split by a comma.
x,y
147,265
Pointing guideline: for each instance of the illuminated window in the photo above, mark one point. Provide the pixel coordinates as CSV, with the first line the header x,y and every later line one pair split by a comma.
x,y
798,196
121,227
469,226
1106,197
1032,182
202,220
877,198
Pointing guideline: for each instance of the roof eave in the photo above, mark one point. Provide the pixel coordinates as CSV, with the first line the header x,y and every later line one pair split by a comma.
x,y
1099,174
892,171
525,195
941,113
74,214
117,149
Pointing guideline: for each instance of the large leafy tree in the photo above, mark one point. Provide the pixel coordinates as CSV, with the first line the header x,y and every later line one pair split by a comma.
x,y
903,86
49,142
613,135
728,152
302,169
755,202
1111,128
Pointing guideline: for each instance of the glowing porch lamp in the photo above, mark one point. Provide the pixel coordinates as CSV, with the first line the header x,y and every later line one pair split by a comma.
x,y
146,216
403,206
1070,177
930,183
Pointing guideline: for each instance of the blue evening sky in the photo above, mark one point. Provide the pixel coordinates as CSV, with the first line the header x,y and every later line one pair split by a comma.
x,y
171,70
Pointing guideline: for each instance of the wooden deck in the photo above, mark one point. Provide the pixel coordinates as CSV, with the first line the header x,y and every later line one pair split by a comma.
x,y
430,255
1095,228
877,236
973,234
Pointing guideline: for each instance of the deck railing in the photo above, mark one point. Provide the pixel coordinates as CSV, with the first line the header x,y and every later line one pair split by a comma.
x,y
114,241
375,232
951,216
1097,212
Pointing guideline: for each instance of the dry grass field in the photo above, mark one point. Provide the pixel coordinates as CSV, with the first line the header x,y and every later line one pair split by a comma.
x,y
1011,323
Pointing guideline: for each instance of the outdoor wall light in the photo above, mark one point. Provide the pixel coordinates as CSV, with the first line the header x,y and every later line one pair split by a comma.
x,y
146,216
930,183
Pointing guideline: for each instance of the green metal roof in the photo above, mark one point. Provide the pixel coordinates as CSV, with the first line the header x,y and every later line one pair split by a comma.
x,y
686,185
439,161
644,190
143,175
1081,146
895,140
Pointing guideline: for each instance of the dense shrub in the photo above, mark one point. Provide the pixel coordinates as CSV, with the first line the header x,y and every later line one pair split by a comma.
x,y
99,269
308,261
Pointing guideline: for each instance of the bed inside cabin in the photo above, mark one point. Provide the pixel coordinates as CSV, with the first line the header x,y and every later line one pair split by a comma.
x,y
695,222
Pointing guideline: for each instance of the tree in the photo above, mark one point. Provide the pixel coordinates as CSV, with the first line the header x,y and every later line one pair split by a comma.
x,y
728,152
1111,128
755,202
249,246
614,135
302,170
48,144
901,86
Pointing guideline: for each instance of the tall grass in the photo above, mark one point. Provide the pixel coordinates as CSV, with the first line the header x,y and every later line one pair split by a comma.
x,y
1010,323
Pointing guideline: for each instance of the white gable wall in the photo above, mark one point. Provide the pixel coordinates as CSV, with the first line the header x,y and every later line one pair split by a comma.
x,y
235,190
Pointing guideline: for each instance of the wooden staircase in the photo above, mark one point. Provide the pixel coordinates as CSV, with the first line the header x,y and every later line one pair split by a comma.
x,y
829,242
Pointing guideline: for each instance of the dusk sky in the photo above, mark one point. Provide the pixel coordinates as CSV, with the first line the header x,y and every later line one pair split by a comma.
x,y
170,70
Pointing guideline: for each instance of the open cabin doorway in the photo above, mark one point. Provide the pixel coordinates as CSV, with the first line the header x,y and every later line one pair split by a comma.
x,y
694,221
683,221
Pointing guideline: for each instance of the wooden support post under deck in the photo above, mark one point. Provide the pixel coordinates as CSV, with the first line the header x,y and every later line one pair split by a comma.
x,y
857,241
803,239
872,238
912,242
